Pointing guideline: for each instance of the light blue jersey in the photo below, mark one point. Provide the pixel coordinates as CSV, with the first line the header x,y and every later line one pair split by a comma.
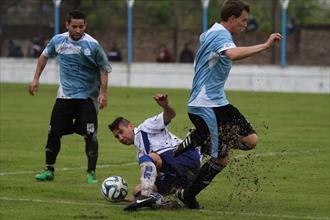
x,y
80,65
211,68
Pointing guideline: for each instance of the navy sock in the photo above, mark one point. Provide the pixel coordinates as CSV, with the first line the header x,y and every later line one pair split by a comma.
x,y
50,168
205,175
91,149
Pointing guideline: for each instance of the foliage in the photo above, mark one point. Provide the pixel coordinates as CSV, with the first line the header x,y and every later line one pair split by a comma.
x,y
161,13
309,11
153,13
112,13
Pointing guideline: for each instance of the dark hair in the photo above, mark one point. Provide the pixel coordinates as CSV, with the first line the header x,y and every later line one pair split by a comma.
x,y
233,7
118,121
76,14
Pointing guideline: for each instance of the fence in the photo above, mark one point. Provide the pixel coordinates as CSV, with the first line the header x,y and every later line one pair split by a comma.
x,y
311,79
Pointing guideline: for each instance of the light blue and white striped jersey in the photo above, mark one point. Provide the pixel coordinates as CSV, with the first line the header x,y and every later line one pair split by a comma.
x,y
152,135
211,68
80,65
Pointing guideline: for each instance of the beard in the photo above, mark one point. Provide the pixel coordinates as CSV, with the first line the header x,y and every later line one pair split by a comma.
x,y
75,36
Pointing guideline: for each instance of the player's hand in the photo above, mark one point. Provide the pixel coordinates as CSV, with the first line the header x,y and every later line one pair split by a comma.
x,y
161,99
102,100
129,199
33,87
273,38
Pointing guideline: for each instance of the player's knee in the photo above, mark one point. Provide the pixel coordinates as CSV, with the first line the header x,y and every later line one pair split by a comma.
x,y
54,137
53,142
251,141
157,160
224,161
91,140
90,137
254,141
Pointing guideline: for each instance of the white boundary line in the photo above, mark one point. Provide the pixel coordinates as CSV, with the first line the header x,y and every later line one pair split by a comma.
x,y
255,214
67,169
267,154
133,163
60,202
260,214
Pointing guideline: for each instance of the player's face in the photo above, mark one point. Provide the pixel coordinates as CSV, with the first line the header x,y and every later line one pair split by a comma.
x,y
125,134
239,24
76,28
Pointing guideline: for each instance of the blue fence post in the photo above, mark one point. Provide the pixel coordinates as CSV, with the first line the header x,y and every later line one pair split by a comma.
x,y
285,4
205,5
57,4
130,4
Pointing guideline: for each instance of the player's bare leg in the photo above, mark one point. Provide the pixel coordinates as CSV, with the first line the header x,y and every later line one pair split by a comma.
x,y
247,143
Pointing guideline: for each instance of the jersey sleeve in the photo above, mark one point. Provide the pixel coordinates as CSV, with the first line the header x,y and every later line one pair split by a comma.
x,y
102,60
154,123
50,50
222,43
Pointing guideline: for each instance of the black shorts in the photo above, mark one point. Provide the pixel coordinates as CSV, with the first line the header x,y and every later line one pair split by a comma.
x,y
73,116
231,126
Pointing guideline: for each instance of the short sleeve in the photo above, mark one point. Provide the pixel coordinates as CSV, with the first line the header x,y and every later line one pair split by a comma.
x,y
223,42
50,50
102,60
154,123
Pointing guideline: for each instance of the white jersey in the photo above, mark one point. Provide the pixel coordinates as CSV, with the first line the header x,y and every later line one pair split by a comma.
x,y
153,136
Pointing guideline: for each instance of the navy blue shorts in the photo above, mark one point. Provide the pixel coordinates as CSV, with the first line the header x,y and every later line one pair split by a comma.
x,y
177,172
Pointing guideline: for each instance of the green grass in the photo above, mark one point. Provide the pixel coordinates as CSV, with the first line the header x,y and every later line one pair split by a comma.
x,y
286,177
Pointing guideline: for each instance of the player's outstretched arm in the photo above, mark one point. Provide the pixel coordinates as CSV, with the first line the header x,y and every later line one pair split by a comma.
x,y
238,53
34,85
169,112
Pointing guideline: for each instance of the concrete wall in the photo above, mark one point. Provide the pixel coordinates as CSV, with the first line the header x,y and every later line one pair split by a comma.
x,y
242,77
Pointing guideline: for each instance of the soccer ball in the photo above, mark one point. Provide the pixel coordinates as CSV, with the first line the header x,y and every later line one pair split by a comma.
x,y
114,188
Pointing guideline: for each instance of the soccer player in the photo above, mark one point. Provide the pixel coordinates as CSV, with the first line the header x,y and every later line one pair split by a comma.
x,y
215,119
83,86
154,143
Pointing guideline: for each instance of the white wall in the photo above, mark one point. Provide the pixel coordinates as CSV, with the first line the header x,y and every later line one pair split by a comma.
x,y
242,77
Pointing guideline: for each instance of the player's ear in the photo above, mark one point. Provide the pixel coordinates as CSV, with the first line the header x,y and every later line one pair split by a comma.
x,y
67,25
231,18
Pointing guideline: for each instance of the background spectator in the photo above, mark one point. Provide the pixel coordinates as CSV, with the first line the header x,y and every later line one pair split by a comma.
x,y
114,54
186,55
164,55
35,49
14,50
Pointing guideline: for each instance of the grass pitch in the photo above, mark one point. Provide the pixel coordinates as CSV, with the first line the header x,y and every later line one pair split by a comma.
x,y
286,177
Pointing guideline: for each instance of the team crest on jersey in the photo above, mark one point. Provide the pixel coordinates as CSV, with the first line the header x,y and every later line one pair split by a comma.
x,y
228,45
87,52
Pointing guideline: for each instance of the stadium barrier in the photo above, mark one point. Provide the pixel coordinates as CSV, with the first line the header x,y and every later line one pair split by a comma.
x,y
309,79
